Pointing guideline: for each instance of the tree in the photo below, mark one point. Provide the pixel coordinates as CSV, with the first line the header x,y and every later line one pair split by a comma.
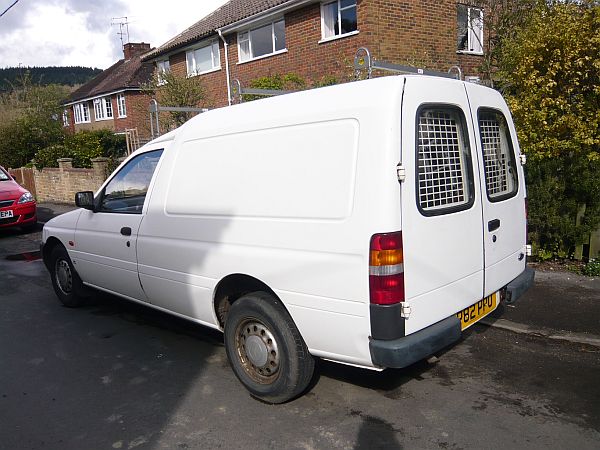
x,y
174,90
30,121
550,70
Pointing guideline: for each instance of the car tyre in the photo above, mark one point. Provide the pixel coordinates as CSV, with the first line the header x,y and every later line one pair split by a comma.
x,y
265,349
66,282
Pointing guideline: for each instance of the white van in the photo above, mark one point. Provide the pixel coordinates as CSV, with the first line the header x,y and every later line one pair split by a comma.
x,y
366,223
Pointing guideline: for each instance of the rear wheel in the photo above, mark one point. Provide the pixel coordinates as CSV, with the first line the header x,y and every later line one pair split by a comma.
x,y
67,284
265,349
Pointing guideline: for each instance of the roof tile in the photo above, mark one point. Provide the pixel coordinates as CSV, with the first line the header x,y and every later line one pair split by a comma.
x,y
123,74
231,12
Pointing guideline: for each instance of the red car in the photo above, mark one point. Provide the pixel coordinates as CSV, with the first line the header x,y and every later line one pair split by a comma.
x,y
17,205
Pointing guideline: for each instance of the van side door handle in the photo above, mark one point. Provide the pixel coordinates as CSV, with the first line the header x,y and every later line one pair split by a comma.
x,y
126,231
493,225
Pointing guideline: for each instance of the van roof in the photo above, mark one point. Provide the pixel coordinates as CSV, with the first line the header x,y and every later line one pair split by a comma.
x,y
358,93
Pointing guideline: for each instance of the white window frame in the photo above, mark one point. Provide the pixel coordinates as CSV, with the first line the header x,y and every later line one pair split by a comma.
x,y
215,59
474,32
65,118
81,112
103,108
247,32
121,106
337,34
162,67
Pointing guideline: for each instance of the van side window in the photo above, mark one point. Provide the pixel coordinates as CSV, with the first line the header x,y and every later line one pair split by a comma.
x,y
445,173
126,192
498,155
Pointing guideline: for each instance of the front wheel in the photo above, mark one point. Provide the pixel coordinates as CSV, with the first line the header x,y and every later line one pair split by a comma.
x,y
67,284
265,349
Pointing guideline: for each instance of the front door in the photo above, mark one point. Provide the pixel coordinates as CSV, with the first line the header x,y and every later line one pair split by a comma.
x,y
104,251
502,187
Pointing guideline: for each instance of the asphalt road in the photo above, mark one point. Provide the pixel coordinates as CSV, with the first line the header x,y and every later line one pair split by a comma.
x,y
115,375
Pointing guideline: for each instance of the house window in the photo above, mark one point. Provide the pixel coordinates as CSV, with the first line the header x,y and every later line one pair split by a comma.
x,y
82,112
203,59
162,67
338,18
262,41
470,29
65,118
121,109
103,108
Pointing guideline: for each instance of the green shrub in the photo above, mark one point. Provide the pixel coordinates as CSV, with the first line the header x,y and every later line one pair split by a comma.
x,y
47,157
592,268
83,147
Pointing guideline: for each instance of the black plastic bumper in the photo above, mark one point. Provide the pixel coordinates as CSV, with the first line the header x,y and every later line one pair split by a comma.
x,y
403,352
517,287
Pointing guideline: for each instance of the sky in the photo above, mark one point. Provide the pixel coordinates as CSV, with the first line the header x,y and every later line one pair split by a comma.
x,y
80,33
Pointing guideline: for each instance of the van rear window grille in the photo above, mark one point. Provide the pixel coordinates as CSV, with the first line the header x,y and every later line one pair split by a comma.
x,y
500,173
441,160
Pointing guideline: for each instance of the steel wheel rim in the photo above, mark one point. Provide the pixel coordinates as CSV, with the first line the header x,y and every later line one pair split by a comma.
x,y
257,351
64,276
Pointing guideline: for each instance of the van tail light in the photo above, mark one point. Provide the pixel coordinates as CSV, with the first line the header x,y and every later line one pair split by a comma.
x,y
386,269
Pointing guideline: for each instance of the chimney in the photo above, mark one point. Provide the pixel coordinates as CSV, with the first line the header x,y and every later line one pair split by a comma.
x,y
132,49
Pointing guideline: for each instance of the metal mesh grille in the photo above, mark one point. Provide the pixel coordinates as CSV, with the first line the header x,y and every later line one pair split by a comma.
x,y
499,177
442,174
5,203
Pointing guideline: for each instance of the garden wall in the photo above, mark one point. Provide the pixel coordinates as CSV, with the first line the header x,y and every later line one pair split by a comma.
x,y
59,185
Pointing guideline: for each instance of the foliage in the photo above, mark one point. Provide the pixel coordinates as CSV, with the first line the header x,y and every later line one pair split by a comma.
x,y
592,268
549,68
502,20
326,80
557,189
82,147
66,76
29,121
287,82
175,90
47,157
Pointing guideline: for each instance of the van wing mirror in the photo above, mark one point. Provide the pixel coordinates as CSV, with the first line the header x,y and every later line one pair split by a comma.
x,y
85,200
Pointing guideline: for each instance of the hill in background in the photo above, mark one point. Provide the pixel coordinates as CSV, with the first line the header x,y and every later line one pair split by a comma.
x,y
67,76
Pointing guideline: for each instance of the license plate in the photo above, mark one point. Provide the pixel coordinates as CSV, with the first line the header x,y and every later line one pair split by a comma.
x,y
477,311
6,214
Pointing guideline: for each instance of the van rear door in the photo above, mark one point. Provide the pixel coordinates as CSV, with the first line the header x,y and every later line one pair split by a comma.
x,y
502,187
441,202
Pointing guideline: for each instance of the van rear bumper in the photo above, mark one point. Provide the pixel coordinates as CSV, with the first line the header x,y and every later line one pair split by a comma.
x,y
404,351
517,287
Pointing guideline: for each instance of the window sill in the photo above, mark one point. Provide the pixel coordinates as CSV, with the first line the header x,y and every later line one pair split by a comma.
x,y
81,123
122,117
216,69
278,52
103,120
338,36
466,52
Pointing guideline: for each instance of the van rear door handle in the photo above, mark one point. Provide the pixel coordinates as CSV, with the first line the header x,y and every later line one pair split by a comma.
x,y
493,225
126,231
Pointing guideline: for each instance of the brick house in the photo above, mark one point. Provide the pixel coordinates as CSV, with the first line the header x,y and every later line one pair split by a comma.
x,y
248,39
114,99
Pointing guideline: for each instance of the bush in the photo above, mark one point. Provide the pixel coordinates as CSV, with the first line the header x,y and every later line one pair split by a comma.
x,y
83,147
564,202
592,268
47,157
